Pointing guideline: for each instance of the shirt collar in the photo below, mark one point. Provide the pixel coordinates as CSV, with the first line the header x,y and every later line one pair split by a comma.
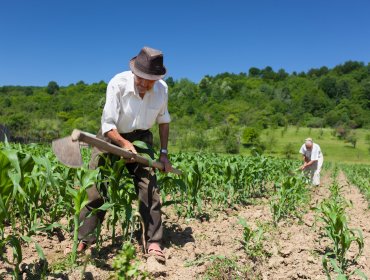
x,y
130,84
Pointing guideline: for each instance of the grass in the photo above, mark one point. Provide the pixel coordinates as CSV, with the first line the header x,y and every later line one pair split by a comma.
x,y
222,268
334,150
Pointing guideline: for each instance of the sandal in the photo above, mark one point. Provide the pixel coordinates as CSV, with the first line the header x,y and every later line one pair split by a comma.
x,y
155,250
81,247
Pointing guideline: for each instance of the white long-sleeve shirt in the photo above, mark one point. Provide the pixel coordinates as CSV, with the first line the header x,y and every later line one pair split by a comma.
x,y
313,154
126,111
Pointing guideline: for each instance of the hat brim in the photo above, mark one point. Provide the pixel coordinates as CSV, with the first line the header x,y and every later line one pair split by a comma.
x,y
145,75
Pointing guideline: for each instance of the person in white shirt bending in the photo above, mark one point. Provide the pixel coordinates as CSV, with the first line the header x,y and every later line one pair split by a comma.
x,y
313,160
135,101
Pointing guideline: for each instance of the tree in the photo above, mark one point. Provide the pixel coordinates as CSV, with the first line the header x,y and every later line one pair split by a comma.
x,y
52,87
351,138
254,72
281,75
28,91
348,67
268,73
342,132
170,82
328,85
250,136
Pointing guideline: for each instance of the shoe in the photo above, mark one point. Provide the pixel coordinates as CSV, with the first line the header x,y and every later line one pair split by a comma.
x,y
155,250
82,246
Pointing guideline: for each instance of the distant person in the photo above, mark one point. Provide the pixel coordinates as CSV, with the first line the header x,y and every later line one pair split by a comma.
x,y
313,160
135,101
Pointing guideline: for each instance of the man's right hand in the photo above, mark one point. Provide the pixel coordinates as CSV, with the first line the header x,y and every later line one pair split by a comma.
x,y
123,143
128,146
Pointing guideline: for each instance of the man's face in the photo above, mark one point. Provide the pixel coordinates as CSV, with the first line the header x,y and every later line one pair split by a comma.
x,y
308,145
143,85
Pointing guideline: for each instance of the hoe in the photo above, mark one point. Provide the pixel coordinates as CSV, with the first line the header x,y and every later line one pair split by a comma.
x,y
67,150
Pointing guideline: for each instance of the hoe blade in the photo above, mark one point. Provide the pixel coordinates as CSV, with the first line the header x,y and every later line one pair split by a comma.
x,y
68,151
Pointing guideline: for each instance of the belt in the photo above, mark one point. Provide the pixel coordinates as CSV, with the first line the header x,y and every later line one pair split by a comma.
x,y
136,131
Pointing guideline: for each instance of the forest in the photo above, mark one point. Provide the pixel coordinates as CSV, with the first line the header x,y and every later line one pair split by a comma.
x,y
218,107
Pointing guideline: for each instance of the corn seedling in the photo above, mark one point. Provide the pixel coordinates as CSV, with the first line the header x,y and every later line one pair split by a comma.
x,y
126,265
84,180
333,216
252,239
292,194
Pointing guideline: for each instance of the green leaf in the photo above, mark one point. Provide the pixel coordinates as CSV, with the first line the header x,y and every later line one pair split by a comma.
x,y
39,250
26,238
106,206
17,249
361,274
141,144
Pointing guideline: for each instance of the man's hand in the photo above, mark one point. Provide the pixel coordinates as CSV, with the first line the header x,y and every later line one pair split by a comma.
x,y
128,146
167,164
120,141
303,166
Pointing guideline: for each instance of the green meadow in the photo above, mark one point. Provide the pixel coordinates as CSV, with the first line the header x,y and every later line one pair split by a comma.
x,y
334,150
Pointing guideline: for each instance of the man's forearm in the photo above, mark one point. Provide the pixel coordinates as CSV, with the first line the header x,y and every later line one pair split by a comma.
x,y
120,141
116,137
310,162
164,130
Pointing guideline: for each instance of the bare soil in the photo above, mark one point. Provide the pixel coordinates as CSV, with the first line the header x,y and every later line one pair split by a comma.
x,y
292,250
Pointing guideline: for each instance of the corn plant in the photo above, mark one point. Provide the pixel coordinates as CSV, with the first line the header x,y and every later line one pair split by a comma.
x,y
126,265
334,219
252,239
359,175
291,196
16,205
84,180
121,193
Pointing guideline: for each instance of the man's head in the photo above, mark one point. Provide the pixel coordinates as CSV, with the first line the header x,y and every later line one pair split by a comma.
x,y
309,143
148,64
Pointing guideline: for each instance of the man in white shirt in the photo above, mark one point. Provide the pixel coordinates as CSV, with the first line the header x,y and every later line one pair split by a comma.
x,y
313,160
135,100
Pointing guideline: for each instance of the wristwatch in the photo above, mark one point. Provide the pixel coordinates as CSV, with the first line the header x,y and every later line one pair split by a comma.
x,y
164,151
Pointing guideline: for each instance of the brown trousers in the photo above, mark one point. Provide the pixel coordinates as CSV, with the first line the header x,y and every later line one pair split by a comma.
x,y
145,182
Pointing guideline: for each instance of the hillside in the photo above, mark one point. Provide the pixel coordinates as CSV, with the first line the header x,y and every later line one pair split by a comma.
x,y
217,107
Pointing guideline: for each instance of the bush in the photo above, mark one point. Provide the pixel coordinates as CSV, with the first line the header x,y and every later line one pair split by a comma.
x,y
231,145
250,136
289,150
315,122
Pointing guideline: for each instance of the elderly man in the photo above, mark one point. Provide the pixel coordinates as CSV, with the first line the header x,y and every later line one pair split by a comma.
x,y
313,160
135,100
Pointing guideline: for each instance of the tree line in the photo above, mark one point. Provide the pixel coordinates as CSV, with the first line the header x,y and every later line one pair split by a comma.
x,y
218,105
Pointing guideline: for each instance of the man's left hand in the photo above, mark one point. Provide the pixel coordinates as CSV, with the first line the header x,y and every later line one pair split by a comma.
x,y
167,164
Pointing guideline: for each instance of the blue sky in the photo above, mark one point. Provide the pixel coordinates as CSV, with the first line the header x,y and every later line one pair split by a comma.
x,y
68,41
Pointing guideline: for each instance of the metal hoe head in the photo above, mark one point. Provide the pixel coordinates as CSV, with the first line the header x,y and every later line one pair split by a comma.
x,y
68,151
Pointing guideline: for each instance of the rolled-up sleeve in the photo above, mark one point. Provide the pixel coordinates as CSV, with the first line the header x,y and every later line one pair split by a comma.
x,y
164,115
111,110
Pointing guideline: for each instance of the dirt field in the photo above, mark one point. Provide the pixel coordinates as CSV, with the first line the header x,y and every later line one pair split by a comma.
x,y
292,250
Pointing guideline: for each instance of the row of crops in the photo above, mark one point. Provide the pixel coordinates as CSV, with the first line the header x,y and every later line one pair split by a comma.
x,y
359,175
37,193
335,227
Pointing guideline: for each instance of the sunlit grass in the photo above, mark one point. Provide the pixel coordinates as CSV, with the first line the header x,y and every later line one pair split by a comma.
x,y
334,150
